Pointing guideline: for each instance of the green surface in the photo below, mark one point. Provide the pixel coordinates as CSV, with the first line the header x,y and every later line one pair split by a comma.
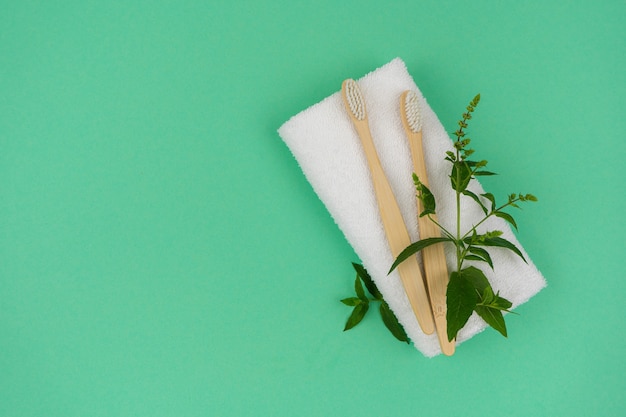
x,y
161,253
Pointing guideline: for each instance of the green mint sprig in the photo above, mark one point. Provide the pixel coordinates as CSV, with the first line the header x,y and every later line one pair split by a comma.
x,y
361,304
469,289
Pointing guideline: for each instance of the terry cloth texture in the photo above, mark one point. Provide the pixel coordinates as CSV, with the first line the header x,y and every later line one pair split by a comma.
x,y
325,144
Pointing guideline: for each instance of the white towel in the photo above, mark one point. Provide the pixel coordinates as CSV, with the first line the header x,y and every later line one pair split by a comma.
x,y
326,146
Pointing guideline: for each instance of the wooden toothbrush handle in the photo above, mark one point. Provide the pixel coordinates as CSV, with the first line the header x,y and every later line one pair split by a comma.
x,y
434,257
396,232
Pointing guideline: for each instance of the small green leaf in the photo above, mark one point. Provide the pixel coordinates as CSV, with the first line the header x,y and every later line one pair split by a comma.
x,y
475,258
502,243
392,323
367,280
481,253
507,217
460,176
476,199
492,317
476,164
491,198
477,278
352,301
428,201
413,248
359,289
425,196
502,303
484,173
357,315
461,299
488,296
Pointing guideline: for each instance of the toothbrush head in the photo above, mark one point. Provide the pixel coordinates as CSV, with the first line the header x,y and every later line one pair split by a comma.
x,y
412,112
353,99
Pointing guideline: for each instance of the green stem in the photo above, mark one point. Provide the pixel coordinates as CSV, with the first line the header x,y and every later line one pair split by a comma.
x,y
459,258
464,253
489,215
443,229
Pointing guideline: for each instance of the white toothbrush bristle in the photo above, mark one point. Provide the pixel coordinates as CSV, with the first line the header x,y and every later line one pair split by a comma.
x,y
355,99
412,110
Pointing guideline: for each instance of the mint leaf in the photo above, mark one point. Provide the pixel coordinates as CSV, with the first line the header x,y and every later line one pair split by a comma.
x,y
491,198
501,243
413,248
502,303
357,315
507,217
490,304
359,289
460,176
477,278
461,300
352,301
476,199
475,258
428,201
484,173
425,196
475,164
492,317
488,296
392,323
482,253
361,305
367,280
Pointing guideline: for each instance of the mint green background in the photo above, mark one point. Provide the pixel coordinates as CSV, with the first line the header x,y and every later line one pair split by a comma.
x,y
161,253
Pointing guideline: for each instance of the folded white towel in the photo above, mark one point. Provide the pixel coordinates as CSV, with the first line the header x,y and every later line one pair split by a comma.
x,y
325,144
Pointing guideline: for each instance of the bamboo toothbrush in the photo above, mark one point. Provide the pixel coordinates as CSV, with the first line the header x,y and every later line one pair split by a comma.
x,y
433,256
393,223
